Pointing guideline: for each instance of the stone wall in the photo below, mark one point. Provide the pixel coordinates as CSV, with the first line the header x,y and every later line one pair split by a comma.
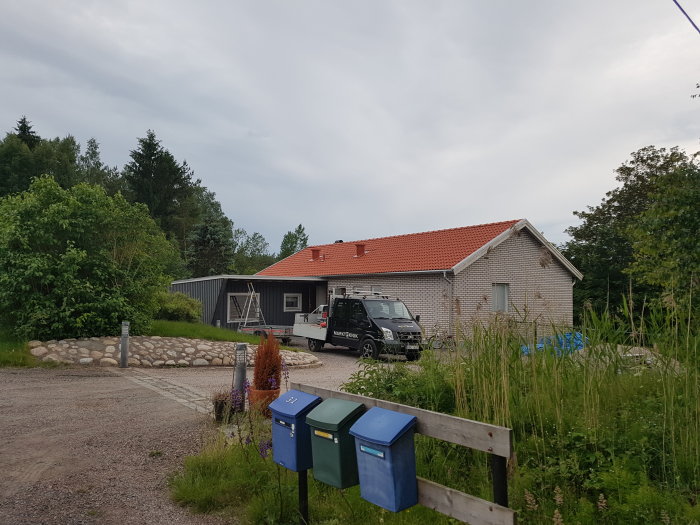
x,y
154,351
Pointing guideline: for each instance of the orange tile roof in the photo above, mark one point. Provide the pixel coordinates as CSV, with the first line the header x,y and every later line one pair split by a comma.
x,y
415,252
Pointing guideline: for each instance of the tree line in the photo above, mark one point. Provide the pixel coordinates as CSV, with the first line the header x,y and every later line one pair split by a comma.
x,y
641,245
190,216
84,245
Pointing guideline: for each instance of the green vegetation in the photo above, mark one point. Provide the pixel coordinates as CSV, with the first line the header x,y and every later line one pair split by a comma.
x,y
14,351
238,480
600,437
642,238
59,279
176,306
199,331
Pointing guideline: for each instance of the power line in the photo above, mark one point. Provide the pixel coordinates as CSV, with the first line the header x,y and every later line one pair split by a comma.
x,y
687,16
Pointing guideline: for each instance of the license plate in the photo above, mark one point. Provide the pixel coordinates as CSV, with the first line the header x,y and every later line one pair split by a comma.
x,y
411,347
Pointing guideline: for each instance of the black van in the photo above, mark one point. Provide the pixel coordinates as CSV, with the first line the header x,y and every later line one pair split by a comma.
x,y
374,325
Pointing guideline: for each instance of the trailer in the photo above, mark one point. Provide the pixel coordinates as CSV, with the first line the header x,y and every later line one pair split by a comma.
x,y
281,332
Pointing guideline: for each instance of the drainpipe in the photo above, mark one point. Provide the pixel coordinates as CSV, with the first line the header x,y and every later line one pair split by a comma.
x,y
451,322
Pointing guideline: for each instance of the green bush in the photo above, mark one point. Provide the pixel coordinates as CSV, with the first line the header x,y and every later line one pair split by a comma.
x,y
176,306
76,262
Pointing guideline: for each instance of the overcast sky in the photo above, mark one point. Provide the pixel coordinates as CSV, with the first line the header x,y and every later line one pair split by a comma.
x,y
366,118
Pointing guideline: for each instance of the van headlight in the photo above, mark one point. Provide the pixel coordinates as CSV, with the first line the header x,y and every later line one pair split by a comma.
x,y
388,334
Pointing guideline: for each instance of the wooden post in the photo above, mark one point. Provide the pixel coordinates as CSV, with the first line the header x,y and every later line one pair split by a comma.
x,y
499,478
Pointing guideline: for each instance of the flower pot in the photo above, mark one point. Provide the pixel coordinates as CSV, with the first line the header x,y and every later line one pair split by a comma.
x,y
260,399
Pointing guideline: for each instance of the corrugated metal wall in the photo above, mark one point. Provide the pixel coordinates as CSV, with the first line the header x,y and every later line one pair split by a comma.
x,y
208,292
271,299
214,296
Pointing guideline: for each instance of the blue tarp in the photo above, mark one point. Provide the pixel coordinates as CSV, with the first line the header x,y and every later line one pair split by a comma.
x,y
562,344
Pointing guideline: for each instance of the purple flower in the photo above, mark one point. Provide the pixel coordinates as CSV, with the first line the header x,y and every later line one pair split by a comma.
x,y
237,400
264,448
248,440
273,383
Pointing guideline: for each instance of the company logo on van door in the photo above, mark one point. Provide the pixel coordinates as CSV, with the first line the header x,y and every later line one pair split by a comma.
x,y
349,335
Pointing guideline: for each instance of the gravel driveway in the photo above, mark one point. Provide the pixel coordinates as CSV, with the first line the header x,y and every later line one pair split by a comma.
x,y
96,445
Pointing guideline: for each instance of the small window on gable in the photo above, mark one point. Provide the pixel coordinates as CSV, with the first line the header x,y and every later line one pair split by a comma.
x,y
376,289
292,302
499,297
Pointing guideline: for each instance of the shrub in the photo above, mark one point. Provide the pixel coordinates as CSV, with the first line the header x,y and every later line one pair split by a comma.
x,y
77,262
176,306
267,374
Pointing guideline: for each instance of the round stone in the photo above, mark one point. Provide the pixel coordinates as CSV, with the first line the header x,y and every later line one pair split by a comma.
x,y
200,362
85,360
38,351
107,361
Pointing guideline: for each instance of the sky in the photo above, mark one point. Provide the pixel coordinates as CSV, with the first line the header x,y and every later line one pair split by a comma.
x,y
367,118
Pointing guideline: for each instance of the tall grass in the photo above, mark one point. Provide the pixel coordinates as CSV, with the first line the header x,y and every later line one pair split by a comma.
x,y
14,351
617,436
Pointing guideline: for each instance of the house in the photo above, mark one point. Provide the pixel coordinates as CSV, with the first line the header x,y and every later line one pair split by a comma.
x,y
452,277
230,301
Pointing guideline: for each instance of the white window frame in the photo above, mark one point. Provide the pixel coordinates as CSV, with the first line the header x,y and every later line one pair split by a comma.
x,y
377,288
292,308
243,301
500,291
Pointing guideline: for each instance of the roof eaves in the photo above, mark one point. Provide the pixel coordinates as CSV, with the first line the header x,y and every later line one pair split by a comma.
x,y
560,257
250,278
478,254
414,272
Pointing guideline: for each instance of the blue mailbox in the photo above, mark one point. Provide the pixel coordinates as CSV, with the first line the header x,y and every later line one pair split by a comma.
x,y
291,439
386,459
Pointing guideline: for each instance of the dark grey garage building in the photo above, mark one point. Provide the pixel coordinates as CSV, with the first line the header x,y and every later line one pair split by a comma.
x,y
227,300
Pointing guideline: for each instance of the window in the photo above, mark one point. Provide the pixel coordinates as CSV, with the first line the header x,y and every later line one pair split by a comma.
x,y
292,302
240,305
376,289
499,297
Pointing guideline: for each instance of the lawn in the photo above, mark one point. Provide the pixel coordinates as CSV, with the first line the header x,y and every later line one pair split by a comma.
x,y
14,351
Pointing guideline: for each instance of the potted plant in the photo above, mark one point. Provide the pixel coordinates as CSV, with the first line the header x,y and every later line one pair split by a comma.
x,y
267,374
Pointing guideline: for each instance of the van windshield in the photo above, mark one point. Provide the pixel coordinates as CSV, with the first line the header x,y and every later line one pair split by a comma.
x,y
387,310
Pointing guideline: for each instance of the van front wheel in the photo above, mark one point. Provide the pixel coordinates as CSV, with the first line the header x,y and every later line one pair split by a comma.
x,y
368,349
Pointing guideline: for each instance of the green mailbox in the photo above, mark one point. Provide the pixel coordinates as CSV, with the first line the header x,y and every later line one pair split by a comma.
x,y
332,447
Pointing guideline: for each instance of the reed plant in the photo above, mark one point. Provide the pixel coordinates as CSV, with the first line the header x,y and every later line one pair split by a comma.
x,y
614,427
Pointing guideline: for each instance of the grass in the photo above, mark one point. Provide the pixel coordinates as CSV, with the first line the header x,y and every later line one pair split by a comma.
x,y
201,331
238,480
14,352
598,438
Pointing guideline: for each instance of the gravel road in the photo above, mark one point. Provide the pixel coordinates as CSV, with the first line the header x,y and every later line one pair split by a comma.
x,y
96,445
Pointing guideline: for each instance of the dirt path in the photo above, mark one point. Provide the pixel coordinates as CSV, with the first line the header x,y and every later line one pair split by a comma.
x,y
83,446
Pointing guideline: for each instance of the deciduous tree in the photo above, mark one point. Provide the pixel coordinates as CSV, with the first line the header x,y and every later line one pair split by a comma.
x,y
293,241
601,246
77,262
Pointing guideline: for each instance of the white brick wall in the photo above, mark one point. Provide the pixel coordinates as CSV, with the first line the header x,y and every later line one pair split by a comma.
x,y
540,288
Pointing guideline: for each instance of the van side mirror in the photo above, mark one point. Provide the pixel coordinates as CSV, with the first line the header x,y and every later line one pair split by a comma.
x,y
418,318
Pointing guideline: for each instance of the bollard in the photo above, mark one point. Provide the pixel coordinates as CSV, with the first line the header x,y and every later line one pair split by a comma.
x,y
124,346
239,377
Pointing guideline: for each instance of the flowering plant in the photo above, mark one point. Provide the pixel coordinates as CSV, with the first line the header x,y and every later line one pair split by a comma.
x,y
267,374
